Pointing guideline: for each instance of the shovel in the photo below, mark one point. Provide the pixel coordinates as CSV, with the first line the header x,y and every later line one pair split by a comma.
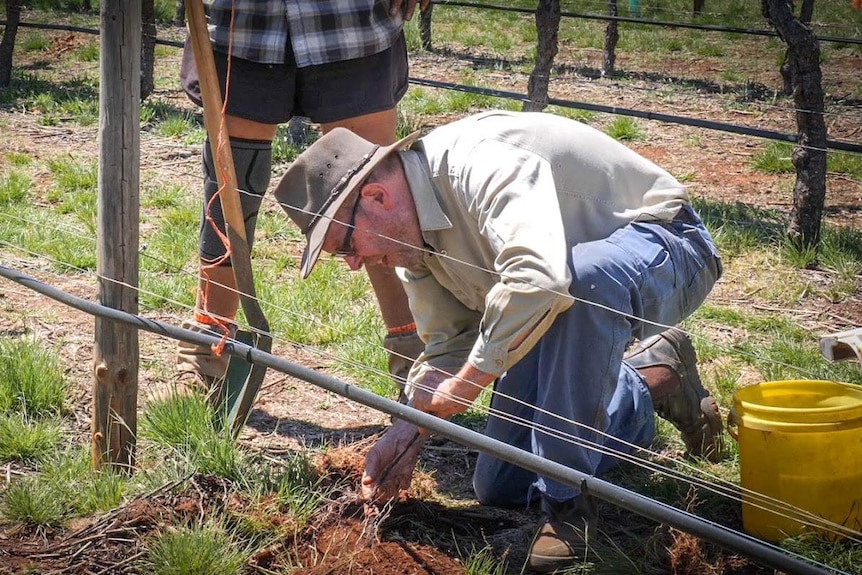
x,y
243,379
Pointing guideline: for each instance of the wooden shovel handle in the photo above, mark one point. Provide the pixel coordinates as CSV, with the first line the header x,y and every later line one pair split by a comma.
x,y
212,104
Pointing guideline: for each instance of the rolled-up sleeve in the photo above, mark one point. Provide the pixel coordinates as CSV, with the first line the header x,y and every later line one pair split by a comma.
x,y
513,196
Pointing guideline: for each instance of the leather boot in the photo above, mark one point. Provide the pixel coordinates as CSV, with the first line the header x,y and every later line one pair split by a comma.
x,y
566,535
668,363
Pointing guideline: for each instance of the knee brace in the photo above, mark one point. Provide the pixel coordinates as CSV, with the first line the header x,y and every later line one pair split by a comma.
x,y
252,161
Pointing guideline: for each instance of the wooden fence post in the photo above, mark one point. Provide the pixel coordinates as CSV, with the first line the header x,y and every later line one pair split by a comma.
x,y
7,45
116,354
148,48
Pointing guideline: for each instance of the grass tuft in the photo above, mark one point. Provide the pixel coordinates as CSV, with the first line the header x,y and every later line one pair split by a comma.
x,y
27,440
800,255
14,188
83,490
184,424
484,562
31,381
775,158
195,550
183,127
179,422
32,502
625,129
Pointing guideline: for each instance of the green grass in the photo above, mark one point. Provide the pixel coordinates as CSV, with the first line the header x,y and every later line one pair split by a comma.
x,y
625,129
845,163
421,101
774,158
31,379
284,149
583,116
69,474
31,502
74,184
25,439
65,487
185,425
484,562
182,127
89,52
34,42
196,549
14,188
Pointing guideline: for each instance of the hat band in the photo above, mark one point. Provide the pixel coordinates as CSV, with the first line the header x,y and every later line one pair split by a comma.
x,y
340,185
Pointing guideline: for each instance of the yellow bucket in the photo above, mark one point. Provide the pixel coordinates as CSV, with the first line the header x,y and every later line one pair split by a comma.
x,y
800,448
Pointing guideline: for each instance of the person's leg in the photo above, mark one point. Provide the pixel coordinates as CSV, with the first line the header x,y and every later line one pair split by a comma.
x,y
403,344
251,124
571,403
497,482
657,273
582,396
380,128
642,275
217,298
645,277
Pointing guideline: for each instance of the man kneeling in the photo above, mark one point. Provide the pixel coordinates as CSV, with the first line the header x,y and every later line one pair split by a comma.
x,y
534,250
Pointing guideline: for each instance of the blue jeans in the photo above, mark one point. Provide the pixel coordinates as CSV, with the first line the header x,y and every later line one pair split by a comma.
x,y
645,271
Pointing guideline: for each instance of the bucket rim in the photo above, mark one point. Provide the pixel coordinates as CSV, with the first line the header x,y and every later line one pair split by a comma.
x,y
849,415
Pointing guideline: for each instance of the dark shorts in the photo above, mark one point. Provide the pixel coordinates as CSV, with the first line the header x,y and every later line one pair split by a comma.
x,y
274,93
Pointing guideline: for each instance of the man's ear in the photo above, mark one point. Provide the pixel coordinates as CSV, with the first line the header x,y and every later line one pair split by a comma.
x,y
378,194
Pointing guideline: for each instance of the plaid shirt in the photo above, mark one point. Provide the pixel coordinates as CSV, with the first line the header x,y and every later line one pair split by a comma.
x,y
321,31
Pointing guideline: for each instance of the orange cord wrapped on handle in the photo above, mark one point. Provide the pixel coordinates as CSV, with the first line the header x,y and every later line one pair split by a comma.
x,y
239,394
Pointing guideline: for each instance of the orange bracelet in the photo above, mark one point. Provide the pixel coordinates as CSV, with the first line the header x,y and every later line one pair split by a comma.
x,y
402,329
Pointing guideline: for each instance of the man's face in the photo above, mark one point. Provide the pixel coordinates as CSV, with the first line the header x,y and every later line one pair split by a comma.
x,y
373,235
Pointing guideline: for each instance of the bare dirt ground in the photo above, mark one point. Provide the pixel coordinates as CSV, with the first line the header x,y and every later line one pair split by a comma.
x,y
439,521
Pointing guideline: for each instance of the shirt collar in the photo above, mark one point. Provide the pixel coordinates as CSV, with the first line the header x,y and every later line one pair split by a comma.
x,y
430,213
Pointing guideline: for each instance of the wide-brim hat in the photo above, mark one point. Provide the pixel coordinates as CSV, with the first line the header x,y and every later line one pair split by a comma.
x,y
322,177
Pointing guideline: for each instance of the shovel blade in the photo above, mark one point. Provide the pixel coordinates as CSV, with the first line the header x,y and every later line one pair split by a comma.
x,y
242,383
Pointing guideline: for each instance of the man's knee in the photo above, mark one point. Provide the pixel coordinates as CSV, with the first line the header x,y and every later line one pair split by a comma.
x,y
502,484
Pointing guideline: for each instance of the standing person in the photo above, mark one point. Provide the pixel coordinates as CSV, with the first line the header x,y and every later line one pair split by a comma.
x,y
339,63
533,250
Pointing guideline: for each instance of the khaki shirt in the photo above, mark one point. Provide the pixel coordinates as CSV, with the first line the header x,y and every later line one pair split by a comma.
x,y
501,198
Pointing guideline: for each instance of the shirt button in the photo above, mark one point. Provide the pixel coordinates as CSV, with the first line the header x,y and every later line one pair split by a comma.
x,y
499,363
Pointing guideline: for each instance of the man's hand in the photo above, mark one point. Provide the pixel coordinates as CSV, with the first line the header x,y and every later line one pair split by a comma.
x,y
389,465
409,7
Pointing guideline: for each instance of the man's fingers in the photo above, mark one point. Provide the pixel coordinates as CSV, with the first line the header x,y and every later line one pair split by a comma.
x,y
373,465
368,488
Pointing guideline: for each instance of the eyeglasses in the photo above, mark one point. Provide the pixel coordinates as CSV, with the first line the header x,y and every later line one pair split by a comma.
x,y
346,249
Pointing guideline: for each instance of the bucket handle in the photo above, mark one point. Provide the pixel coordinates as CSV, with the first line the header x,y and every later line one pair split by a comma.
x,y
732,424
